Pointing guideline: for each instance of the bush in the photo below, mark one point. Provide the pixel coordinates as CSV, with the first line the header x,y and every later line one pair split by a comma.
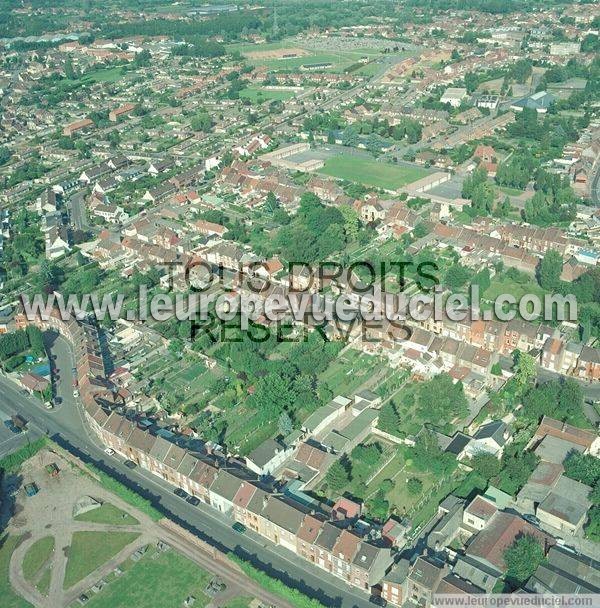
x,y
293,596
14,362
122,491
13,462
414,486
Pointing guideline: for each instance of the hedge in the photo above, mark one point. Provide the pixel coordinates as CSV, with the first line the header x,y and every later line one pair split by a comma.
x,y
122,491
293,596
12,462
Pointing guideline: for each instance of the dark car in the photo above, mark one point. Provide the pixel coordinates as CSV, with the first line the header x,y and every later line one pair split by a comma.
x,y
378,600
130,464
57,400
181,493
11,426
193,501
238,527
532,519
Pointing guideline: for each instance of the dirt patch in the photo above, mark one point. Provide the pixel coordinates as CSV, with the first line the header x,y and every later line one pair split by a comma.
x,y
277,54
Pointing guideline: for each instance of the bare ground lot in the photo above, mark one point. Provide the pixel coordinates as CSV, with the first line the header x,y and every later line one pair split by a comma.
x,y
115,555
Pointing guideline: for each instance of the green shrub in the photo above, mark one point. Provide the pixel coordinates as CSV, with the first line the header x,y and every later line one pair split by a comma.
x,y
12,462
122,491
293,596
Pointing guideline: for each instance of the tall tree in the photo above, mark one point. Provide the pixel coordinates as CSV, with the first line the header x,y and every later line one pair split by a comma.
x,y
550,269
522,558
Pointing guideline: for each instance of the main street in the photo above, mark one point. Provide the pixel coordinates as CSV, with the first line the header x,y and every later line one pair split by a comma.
x,y
65,425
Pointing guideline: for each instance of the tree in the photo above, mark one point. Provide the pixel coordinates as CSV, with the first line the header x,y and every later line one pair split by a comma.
x,y
456,277
201,122
378,506
36,342
522,558
351,222
414,486
337,477
549,270
487,465
4,155
388,418
583,467
592,528
285,424
525,369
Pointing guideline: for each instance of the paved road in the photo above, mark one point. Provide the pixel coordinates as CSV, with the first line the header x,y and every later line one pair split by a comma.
x,y
595,186
65,425
78,211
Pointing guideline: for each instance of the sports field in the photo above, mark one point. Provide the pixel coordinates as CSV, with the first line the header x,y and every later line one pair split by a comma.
x,y
372,173
289,55
258,94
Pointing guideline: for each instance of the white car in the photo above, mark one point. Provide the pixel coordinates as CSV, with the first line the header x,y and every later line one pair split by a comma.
x,y
109,451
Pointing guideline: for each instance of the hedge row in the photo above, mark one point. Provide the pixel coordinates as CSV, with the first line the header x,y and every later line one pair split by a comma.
x,y
122,491
293,596
12,462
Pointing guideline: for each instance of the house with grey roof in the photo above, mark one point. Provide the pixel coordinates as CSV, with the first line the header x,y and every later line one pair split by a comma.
x,y
369,565
223,489
282,521
489,439
482,575
268,456
565,572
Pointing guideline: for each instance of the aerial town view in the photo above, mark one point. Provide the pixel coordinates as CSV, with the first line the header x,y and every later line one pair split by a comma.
x,y
299,303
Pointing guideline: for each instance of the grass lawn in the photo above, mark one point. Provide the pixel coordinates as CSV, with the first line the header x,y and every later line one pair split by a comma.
x,y
504,285
103,75
43,585
239,602
510,191
258,94
372,173
346,373
108,514
164,581
9,598
89,550
36,556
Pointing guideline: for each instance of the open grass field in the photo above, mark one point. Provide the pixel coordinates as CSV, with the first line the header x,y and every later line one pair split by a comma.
x,y
43,584
9,599
161,580
37,555
108,514
273,54
371,173
90,550
259,94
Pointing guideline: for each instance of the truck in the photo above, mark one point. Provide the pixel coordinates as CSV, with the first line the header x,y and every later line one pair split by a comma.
x,y
31,489
52,469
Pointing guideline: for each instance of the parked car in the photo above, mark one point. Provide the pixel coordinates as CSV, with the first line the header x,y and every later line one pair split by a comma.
x,y
378,600
238,527
532,519
130,464
109,451
10,425
181,493
193,501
